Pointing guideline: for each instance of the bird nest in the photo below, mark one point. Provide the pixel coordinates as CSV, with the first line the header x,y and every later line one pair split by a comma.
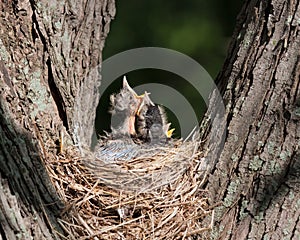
x,y
157,197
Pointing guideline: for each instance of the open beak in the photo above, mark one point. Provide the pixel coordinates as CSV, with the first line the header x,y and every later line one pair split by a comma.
x,y
126,86
140,98
166,130
170,132
145,101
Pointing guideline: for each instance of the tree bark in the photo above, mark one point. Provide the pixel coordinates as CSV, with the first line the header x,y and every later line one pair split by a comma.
x,y
256,176
47,51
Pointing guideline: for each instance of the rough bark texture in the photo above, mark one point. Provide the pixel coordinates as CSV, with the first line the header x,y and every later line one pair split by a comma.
x,y
257,175
47,50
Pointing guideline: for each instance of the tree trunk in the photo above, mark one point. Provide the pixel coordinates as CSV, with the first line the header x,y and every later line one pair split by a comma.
x,y
47,49
256,177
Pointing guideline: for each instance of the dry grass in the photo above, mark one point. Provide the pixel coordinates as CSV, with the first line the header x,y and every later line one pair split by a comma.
x,y
158,201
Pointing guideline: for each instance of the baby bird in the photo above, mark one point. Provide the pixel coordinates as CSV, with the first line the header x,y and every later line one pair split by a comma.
x,y
125,105
118,145
152,123
126,141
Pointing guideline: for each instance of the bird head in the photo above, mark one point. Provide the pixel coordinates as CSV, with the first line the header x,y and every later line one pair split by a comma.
x,y
152,121
125,105
126,100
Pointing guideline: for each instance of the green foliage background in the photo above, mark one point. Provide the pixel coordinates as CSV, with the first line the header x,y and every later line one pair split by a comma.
x,y
200,29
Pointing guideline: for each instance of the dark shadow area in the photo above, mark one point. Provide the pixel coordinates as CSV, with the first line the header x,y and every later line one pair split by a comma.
x,y
22,167
277,185
202,30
